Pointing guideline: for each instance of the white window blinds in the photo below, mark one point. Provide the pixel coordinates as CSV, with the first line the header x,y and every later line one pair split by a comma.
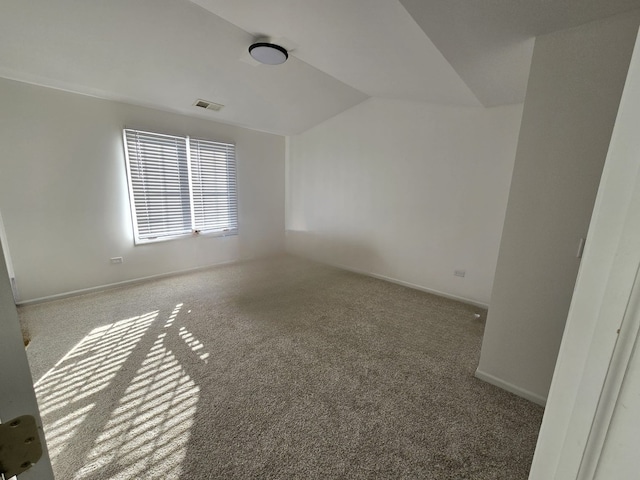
x,y
180,186
213,176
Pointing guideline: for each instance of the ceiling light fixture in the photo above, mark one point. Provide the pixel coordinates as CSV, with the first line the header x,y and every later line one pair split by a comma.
x,y
268,53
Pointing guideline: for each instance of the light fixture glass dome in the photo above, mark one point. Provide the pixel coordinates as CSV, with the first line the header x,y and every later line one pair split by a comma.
x,y
268,53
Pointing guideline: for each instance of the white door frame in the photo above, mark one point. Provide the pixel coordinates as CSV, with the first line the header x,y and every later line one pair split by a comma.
x,y
7,258
604,317
17,396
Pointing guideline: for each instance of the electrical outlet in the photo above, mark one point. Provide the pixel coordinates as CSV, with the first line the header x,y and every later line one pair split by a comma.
x,y
459,273
116,260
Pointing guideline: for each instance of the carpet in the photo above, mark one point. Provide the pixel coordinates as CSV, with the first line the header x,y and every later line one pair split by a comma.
x,y
280,368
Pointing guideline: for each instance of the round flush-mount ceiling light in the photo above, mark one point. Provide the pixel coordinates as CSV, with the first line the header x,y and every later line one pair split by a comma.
x,y
268,53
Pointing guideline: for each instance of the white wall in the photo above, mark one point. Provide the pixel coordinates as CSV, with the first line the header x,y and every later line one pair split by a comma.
x,y
574,90
64,200
592,362
406,191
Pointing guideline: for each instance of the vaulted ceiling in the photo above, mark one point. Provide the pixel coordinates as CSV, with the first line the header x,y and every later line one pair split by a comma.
x,y
168,53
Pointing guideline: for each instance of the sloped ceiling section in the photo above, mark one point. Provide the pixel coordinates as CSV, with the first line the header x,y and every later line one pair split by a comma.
x,y
168,53
490,42
375,46
164,54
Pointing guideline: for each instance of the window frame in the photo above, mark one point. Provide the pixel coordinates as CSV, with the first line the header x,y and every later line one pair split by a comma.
x,y
194,232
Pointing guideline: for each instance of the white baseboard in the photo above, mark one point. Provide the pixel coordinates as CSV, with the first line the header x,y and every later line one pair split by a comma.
x,y
421,288
99,288
509,387
398,282
108,286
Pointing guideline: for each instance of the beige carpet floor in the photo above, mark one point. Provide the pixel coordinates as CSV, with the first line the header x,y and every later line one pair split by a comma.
x,y
278,368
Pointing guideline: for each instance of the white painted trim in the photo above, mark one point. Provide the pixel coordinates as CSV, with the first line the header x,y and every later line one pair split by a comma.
x,y
510,387
109,286
616,376
18,397
5,247
400,282
577,412
421,288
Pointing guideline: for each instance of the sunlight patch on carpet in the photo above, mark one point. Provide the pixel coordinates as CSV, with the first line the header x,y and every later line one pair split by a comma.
x,y
90,366
147,426
149,430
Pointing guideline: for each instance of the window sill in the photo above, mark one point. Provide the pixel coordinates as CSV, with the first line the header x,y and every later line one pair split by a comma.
x,y
139,241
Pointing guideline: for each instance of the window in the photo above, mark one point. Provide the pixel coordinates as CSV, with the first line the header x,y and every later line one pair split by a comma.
x,y
180,186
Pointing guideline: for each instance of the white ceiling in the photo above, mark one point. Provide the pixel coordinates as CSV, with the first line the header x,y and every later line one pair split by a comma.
x,y
167,53
373,45
490,42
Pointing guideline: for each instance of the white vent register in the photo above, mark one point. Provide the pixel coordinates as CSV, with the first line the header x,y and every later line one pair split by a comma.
x,y
207,105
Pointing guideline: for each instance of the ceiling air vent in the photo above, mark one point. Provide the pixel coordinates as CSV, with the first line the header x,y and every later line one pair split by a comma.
x,y
208,105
